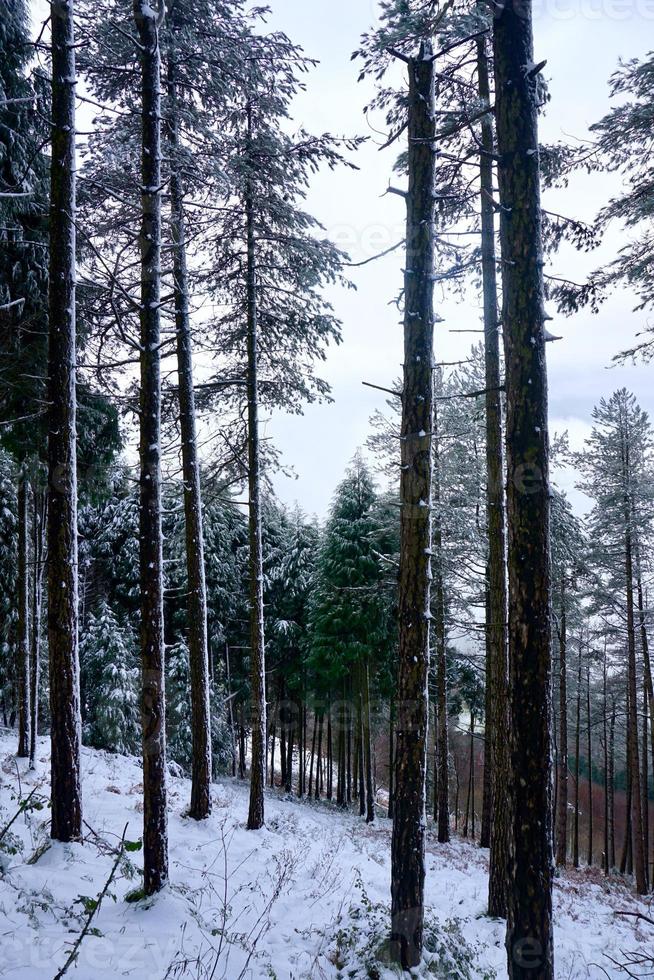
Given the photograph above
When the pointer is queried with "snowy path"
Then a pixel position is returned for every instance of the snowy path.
(299, 899)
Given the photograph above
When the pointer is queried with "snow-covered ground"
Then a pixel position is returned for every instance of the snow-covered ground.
(304, 898)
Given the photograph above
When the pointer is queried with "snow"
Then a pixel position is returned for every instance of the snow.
(275, 902)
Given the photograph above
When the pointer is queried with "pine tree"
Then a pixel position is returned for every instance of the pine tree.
(349, 621)
(8, 557)
(110, 683)
(616, 467)
(62, 473)
(529, 936)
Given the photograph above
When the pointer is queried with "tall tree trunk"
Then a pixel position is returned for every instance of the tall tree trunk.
(470, 799)
(38, 520)
(562, 792)
(611, 789)
(313, 754)
(319, 757)
(529, 936)
(607, 865)
(408, 840)
(155, 833)
(290, 740)
(391, 765)
(62, 441)
(649, 692)
(497, 664)
(257, 646)
(367, 747)
(590, 769)
(197, 593)
(626, 843)
(644, 790)
(348, 764)
(575, 835)
(23, 654)
(330, 754)
(442, 740)
(634, 753)
(230, 702)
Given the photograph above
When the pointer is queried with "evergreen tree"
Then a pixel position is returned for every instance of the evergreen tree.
(349, 621)
(617, 468)
(110, 683)
(8, 611)
(62, 437)
(517, 99)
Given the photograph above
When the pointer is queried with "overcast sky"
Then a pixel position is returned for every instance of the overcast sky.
(583, 42)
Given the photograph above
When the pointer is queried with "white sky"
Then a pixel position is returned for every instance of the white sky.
(582, 42)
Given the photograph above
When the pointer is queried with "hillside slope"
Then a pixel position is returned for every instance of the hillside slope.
(304, 898)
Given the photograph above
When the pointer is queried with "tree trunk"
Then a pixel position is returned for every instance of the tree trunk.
(443, 748)
(470, 799)
(611, 790)
(230, 702)
(607, 865)
(408, 840)
(38, 521)
(319, 757)
(644, 790)
(497, 664)
(575, 837)
(257, 647)
(367, 747)
(155, 833)
(330, 755)
(562, 791)
(348, 763)
(391, 766)
(198, 645)
(313, 754)
(290, 739)
(590, 770)
(529, 936)
(65, 717)
(23, 657)
(634, 753)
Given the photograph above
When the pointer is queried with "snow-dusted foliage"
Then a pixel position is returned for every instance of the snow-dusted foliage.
(110, 683)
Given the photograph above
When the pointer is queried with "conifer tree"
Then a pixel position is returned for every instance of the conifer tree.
(529, 936)
(110, 684)
(62, 445)
(616, 467)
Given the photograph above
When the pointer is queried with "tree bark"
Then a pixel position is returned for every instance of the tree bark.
(575, 835)
(153, 704)
(230, 702)
(529, 935)
(319, 757)
(611, 791)
(257, 643)
(562, 791)
(38, 520)
(367, 747)
(644, 790)
(391, 766)
(408, 839)
(198, 645)
(440, 631)
(23, 653)
(634, 753)
(65, 736)
(590, 769)
(497, 664)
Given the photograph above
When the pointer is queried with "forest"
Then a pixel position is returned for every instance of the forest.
(412, 734)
